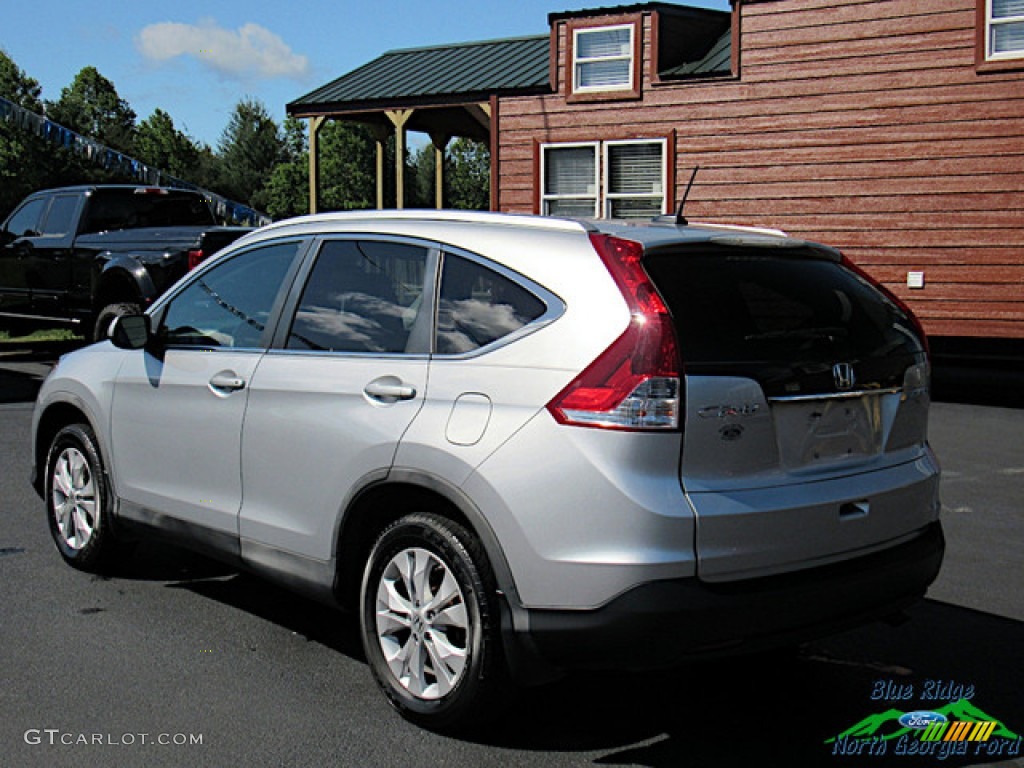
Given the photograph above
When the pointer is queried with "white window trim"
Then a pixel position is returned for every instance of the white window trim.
(601, 197)
(545, 197)
(606, 185)
(577, 60)
(991, 22)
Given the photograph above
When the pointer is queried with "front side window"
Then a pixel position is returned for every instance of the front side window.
(1005, 29)
(230, 304)
(612, 179)
(363, 296)
(25, 222)
(603, 59)
(478, 306)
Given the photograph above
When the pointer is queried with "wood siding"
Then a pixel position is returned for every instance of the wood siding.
(864, 124)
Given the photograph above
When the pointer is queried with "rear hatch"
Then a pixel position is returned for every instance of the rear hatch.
(806, 405)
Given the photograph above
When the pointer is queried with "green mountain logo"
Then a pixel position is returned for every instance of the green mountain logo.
(886, 725)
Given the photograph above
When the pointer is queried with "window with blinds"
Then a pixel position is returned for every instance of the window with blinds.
(570, 180)
(634, 179)
(630, 183)
(1005, 29)
(603, 59)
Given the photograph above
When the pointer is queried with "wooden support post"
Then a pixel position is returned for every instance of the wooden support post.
(380, 136)
(314, 162)
(440, 141)
(398, 118)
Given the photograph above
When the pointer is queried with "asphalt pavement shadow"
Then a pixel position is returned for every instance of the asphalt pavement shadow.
(780, 710)
(978, 386)
(24, 366)
(978, 371)
(772, 709)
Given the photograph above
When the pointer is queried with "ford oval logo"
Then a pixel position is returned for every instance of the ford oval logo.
(921, 719)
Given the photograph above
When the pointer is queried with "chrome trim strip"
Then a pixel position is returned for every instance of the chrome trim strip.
(835, 395)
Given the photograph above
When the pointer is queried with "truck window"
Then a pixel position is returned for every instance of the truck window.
(60, 219)
(113, 209)
(25, 221)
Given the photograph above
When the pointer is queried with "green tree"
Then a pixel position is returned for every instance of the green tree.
(468, 175)
(347, 167)
(286, 192)
(423, 170)
(249, 149)
(159, 144)
(24, 161)
(92, 106)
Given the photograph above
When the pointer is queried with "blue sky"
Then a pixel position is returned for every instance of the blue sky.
(195, 60)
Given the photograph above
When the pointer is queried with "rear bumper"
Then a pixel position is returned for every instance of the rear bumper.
(662, 624)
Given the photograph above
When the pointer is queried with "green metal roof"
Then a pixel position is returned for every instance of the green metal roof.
(466, 69)
(717, 61)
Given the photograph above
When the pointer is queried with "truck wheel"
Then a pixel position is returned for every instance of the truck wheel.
(429, 622)
(106, 317)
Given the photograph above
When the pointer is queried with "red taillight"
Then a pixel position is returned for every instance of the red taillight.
(195, 258)
(635, 383)
(915, 321)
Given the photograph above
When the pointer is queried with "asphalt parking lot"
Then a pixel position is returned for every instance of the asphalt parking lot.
(229, 670)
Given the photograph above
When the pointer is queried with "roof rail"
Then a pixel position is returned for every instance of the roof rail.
(430, 214)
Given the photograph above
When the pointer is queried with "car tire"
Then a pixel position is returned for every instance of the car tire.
(78, 502)
(429, 623)
(106, 316)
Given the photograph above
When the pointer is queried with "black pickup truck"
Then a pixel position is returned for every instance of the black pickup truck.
(79, 256)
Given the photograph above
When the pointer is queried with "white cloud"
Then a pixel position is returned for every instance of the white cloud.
(249, 51)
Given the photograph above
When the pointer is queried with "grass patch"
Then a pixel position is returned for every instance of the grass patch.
(45, 334)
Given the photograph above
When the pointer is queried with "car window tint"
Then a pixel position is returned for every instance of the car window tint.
(229, 305)
(478, 306)
(59, 218)
(781, 318)
(361, 296)
(25, 223)
(114, 209)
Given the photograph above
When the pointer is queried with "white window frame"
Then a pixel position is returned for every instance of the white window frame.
(545, 197)
(602, 196)
(990, 23)
(609, 196)
(629, 85)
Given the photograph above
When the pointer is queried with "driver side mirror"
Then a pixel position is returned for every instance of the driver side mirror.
(130, 331)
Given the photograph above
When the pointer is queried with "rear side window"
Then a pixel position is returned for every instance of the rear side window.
(477, 306)
(782, 319)
(60, 218)
(362, 296)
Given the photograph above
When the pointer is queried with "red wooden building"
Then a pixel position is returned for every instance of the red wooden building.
(892, 129)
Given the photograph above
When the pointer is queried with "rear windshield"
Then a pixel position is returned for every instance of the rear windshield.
(113, 209)
(783, 319)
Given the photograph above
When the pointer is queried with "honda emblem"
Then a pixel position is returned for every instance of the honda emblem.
(844, 376)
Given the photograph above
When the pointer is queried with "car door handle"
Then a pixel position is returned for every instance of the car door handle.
(227, 381)
(389, 389)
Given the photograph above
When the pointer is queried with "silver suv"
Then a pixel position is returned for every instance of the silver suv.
(515, 445)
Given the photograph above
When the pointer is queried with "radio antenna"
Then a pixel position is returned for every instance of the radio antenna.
(680, 219)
